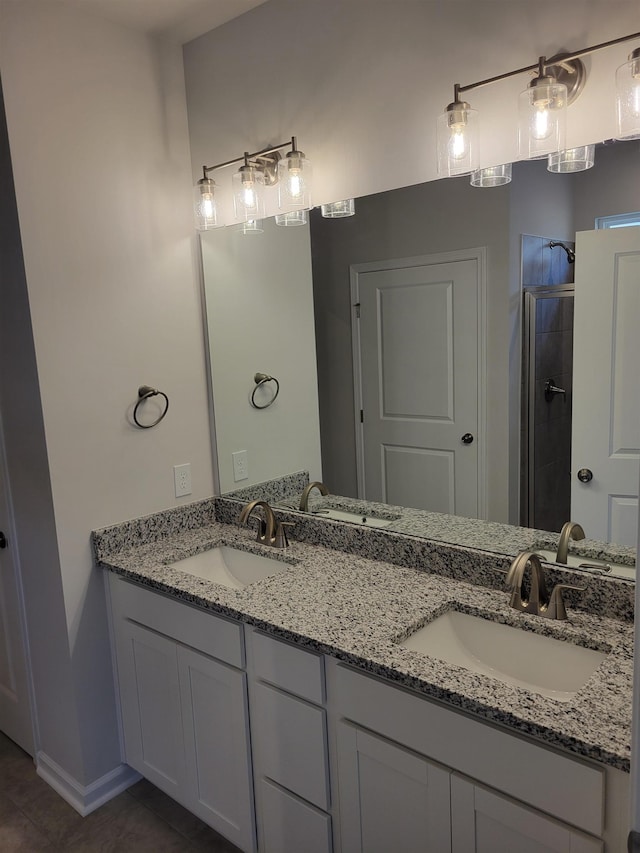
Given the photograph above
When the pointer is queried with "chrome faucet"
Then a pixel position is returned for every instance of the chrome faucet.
(570, 530)
(539, 602)
(304, 498)
(270, 530)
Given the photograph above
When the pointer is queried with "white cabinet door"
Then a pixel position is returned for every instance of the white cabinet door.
(151, 710)
(391, 799)
(216, 736)
(289, 824)
(485, 822)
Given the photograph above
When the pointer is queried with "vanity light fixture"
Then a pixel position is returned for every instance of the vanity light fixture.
(292, 218)
(295, 178)
(572, 159)
(259, 171)
(542, 109)
(252, 226)
(628, 97)
(339, 209)
(492, 176)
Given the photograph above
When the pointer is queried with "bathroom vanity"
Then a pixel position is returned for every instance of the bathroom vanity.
(289, 715)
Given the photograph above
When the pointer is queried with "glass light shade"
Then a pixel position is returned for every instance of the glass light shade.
(252, 226)
(542, 119)
(292, 218)
(338, 209)
(294, 181)
(457, 137)
(205, 207)
(572, 159)
(492, 176)
(248, 193)
(628, 97)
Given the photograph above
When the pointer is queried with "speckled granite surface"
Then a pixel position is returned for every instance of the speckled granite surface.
(355, 609)
(453, 529)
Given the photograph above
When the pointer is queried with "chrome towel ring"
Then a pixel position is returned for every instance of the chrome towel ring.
(261, 379)
(144, 392)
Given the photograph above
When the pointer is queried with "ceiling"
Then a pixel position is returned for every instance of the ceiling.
(178, 20)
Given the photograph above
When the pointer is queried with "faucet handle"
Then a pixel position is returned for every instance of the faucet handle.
(556, 608)
(280, 538)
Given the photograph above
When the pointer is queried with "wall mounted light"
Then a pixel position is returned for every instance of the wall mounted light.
(572, 159)
(252, 226)
(457, 135)
(542, 112)
(206, 209)
(492, 176)
(295, 177)
(292, 218)
(628, 97)
(258, 173)
(339, 209)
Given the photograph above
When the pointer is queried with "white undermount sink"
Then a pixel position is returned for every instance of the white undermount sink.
(353, 517)
(616, 570)
(544, 665)
(231, 567)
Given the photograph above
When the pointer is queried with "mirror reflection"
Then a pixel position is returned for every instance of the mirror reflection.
(408, 373)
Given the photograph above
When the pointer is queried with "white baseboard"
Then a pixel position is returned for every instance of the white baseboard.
(85, 798)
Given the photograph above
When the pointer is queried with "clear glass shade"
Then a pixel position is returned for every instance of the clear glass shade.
(294, 181)
(252, 226)
(339, 209)
(628, 98)
(457, 137)
(572, 159)
(492, 176)
(542, 119)
(205, 207)
(248, 193)
(292, 218)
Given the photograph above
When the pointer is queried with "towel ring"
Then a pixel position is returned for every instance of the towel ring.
(261, 379)
(144, 392)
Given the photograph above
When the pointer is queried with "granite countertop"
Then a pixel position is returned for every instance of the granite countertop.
(356, 609)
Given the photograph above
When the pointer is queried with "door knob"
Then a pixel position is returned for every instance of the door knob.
(3, 540)
(467, 438)
(585, 475)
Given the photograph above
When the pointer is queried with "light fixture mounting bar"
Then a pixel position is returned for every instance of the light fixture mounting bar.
(263, 153)
(544, 63)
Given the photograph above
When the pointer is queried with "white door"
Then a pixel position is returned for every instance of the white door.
(15, 704)
(606, 391)
(418, 356)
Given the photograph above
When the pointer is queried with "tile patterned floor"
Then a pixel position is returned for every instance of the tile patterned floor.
(34, 819)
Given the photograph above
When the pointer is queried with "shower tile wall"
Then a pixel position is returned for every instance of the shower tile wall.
(553, 353)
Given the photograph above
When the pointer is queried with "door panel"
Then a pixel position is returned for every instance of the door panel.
(606, 394)
(418, 369)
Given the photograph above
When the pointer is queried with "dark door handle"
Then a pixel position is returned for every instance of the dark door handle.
(467, 438)
(3, 540)
(585, 475)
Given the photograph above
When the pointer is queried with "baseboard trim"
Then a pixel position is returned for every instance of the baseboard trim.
(85, 798)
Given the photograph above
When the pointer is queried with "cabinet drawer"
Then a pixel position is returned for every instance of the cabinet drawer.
(563, 787)
(214, 635)
(290, 825)
(294, 670)
(291, 743)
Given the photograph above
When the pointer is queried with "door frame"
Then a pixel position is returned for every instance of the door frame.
(478, 254)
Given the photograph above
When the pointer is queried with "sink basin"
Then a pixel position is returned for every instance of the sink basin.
(353, 517)
(616, 570)
(230, 567)
(541, 664)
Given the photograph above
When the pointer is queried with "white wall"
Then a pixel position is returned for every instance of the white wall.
(361, 84)
(97, 129)
(259, 296)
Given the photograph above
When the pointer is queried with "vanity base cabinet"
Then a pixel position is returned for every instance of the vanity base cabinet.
(485, 822)
(390, 798)
(184, 715)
